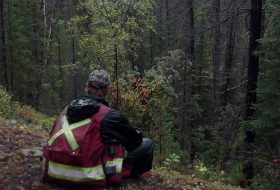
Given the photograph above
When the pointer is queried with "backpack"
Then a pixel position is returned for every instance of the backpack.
(75, 155)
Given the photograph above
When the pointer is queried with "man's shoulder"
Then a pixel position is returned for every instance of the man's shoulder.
(81, 108)
(115, 116)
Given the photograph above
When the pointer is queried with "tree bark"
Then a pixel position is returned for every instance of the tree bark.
(185, 130)
(231, 34)
(73, 62)
(216, 57)
(192, 30)
(60, 75)
(200, 62)
(59, 67)
(192, 84)
(252, 75)
(188, 90)
(37, 53)
(11, 49)
(151, 47)
(167, 13)
(116, 75)
(3, 42)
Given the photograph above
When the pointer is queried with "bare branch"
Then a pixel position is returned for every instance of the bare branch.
(223, 21)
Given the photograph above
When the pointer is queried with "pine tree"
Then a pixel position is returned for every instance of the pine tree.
(266, 119)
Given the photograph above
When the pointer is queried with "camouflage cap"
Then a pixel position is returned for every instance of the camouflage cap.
(100, 76)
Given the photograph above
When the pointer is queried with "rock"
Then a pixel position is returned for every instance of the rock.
(2, 158)
(11, 122)
(5, 157)
(3, 181)
(34, 152)
(18, 187)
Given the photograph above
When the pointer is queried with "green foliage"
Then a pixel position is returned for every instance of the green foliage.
(172, 161)
(161, 109)
(13, 110)
(234, 173)
(24, 39)
(134, 39)
(209, 173)
(111, 30)
(7, 109)
(267, 178)
(266, 120)
(148, 101)
(28, 115)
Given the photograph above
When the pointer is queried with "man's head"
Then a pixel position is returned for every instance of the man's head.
(97, 83)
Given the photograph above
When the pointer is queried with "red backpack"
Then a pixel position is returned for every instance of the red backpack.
(75, 154)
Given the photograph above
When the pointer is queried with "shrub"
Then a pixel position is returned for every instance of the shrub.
(10, 109)
(172, 162)
(209, 173)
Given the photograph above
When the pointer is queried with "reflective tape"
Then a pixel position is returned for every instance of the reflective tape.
(74, 173)
(68, 134)
(117, 162)
(67, 131)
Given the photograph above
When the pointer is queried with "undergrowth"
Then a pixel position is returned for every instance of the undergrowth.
(10, 109)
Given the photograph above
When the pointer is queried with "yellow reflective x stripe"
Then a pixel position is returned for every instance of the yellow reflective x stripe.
(68, 134)
(67, 130)
(53, 138)
(74, 173)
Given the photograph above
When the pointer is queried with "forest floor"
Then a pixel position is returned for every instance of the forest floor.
(21, 165)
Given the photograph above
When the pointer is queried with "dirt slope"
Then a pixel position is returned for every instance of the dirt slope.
(21, 165)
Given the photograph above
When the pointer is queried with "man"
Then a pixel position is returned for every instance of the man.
(86, 145)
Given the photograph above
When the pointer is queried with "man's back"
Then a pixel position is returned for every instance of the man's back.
(89, 140)
(75, 153)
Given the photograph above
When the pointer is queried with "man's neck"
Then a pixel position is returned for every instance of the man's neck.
(98, 99)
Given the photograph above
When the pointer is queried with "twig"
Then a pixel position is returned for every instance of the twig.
(223, 21)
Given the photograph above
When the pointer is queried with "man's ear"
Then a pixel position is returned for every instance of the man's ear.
(86, 88)
(106, 91)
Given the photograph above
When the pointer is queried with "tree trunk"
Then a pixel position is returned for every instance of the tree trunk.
(36, 53)
(200, 62)
(3, 42)
(73, 62)
(151, 47)
(59, 67)
(185, 143)
(192, 30)
(192, 84)
(228, 66)
(252, 75)
(226, 96)
(167, 14)
(216, 57)
(116, 76)
(187, 117)
(11, 49)
(161, 21)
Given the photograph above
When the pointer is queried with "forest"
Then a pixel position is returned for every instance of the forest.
(199, 77)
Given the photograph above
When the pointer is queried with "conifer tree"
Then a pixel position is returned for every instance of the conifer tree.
(266, 119)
